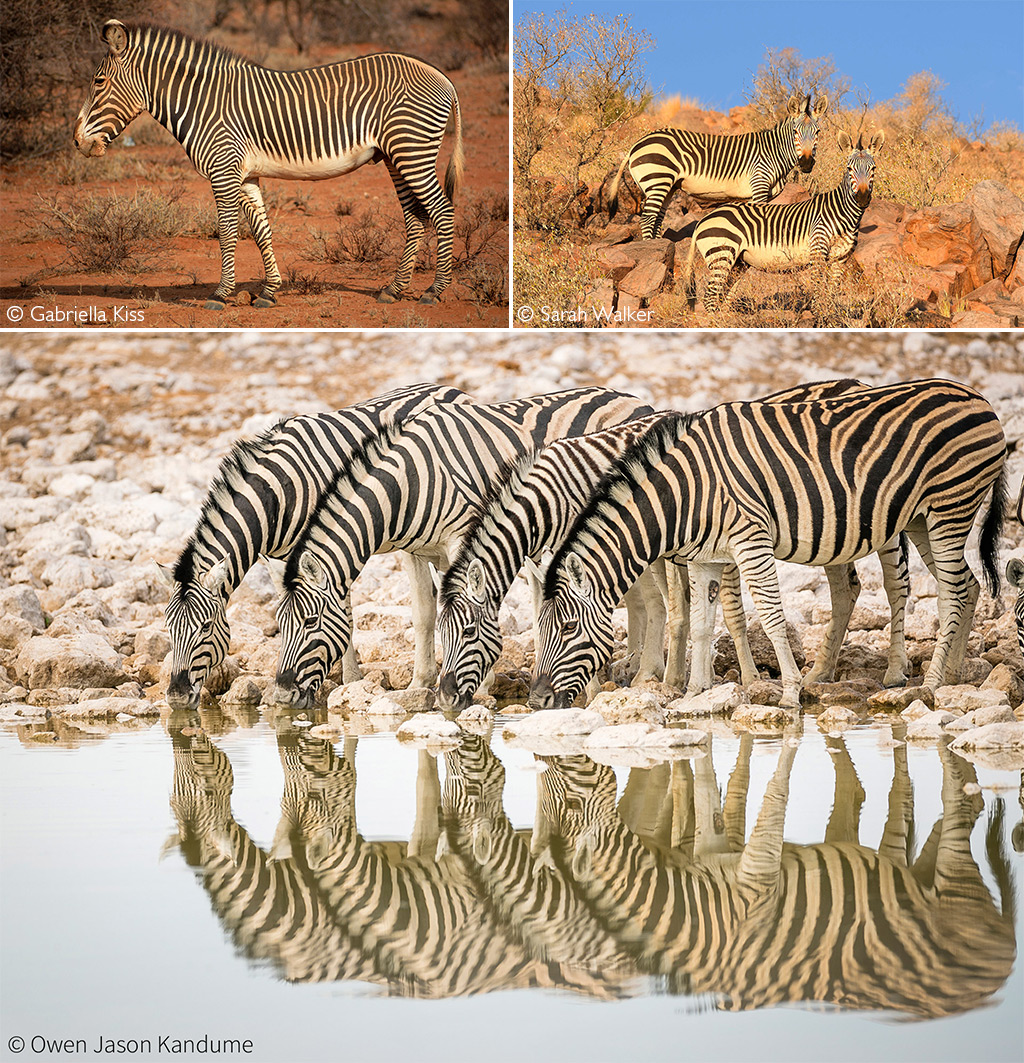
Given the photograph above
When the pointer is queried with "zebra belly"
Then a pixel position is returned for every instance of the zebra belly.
(793, 256)
(709, 190)
(313, 169)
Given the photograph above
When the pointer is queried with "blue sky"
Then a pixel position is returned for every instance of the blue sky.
(709, 51)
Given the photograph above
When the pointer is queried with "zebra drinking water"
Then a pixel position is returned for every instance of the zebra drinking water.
(239, 121)
(259, 502)
(416, 488)
(819, 483)
(717, 169)
(822, 231)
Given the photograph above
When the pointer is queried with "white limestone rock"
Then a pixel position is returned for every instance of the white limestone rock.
(718, 701)
(555, 722)
(1008, 736)
(628, 706)
(963, 698)
(929, 726)
(430, 727)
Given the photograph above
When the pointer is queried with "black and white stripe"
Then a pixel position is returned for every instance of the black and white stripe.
(258, 504)
(534, 506)
(820, 483)
(821, 231)
(414, 487)
(239, 121)
(717, 169)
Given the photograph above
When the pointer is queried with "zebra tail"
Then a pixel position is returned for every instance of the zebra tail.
(457, 163)
(990, 530)
(613, 188)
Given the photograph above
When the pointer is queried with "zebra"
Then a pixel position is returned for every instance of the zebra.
(767, 923)
(258, 504)
(820, 483)
(413, 487)
(532, 509)
(716, 169)
(821, 231)
(1015, 575)
(239, 122)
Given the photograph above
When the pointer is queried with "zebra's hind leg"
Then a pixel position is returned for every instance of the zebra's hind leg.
(844, 587)
(226, 194)
(256, 216)
(656, 195)
(442, 216)
(720, 262)
(415, 226)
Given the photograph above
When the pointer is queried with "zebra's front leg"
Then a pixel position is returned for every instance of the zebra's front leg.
(652, 652)
(705, 582)
(256, 216)
(350, 669)
(227, 195)
(424, 614)
(844, 588)
(678, 598)
(896, 581)
(736, 623)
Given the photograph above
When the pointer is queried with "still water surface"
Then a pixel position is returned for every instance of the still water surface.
(366, 900)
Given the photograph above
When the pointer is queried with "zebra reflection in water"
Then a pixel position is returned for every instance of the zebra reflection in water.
(662, 883)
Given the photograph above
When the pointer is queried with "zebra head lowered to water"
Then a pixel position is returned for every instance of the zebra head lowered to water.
(712, 168)
(815, 483)
(239, 121)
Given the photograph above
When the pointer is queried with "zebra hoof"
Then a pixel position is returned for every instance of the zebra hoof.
(429, 297)
(214, 304)
(386, 297)
(263, 300)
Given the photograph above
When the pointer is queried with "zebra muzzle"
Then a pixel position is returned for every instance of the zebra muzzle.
(181, 694)
(542, 693)
(448, 695)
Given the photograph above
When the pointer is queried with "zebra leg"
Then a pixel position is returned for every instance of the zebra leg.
(652, 655)
(710, 834)
(350, 670)
(227, 194)
(678, 596)
(735, 810)
(719, 263)
(256, 216)
(736, 623)
(636, 621)
(442, 216)
(756, 563)
(415, 226)
(844, 819)
(844, 587)
(424, 614)
(656, 194)
(896, 581)
(705, 581)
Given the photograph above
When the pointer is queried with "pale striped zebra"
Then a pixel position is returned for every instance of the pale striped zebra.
(258, 504)
(773, 923)
(269, 906)
(532, 509)
(819, 483)
(821, 231)
(414, 487)
(529, 896)
(717, 169)
(1015, 574)
(239, 121)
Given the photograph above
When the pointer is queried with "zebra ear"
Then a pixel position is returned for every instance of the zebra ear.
(534, 569)
(1015, 572)
(115, 35)
(435, 577)
(844, 140)
(166, 573)
(476, 581)
(820, 105)
(579, 581)
(876, 141)
(215, 579)
(796, 105)
(312, 570)
(276, 567)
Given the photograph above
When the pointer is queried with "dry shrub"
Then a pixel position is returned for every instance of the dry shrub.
(784, 73)
(553, 275)
(481, 222)
(103, 234)
(369, 238)
(488, 282)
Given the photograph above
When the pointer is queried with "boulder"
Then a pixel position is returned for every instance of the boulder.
(628, 706)
(433, 726)
(718, 701)
(999, 217)
(82, 660)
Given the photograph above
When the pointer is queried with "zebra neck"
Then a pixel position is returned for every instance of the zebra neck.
(841, 204)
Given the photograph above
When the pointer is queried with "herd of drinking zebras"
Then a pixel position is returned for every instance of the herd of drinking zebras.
(821, 474)
(745, 171)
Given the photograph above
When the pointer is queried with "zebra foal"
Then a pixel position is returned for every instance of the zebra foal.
(716, 169)
(239, 121)
(818, 483)
(822, 231)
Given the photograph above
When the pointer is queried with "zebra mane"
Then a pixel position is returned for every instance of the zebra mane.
(244, 456)
(365, 458)
(625, 472)
(506, 484)
(138, 31)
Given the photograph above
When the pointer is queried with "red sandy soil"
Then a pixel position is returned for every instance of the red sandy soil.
(34, 274)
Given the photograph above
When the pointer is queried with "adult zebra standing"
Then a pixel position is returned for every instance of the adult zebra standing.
(239, 121)
(820, 483)
(821, 231)
(533, 508)
(414, 487)
(258, 504)
(716, 169)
